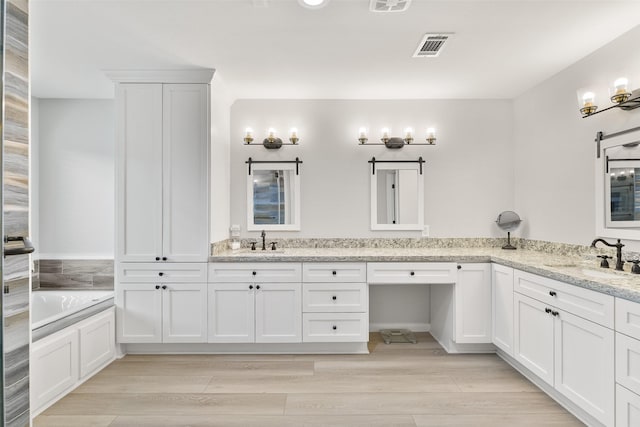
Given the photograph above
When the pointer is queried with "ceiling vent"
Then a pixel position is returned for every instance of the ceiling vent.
(389, 5)
(431, 45)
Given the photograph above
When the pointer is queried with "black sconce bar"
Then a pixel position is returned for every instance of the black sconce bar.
(297, 161)
(373, 162)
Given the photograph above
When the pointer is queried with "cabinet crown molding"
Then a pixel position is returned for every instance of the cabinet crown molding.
(200, 75)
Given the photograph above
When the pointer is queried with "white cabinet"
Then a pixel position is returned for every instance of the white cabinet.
(97, 342)
(473, 304)
(335, 302)
(259, 302)
(162, 172)
(406, 273)
(167, 312)
(627, 408)
(570, 353)
(502, 307)
(627, 363)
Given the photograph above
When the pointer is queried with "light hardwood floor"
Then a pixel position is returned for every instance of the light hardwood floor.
(416, 385)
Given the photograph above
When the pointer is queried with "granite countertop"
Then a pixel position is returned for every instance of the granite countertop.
(575, 270)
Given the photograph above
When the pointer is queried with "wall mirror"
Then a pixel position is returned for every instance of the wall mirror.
(273, 196)
(397, 196)
(618, 185)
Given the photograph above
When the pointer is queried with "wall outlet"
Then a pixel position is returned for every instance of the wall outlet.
(425, 231)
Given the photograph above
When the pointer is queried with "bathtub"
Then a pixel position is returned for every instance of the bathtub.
(73, 338)
(52, 311)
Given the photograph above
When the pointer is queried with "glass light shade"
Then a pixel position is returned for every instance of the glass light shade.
(385, 132)
(293, 132)
(271, 133)
(619, 91)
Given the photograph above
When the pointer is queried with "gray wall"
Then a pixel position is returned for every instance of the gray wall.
(555, 148)
(468, 174)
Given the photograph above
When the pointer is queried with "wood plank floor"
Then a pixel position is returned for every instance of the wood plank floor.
(415, 385)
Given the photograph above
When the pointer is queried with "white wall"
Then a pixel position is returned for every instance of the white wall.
(468, 174)
(76, 178)
(34, 175)
(220, 118)
(555, 148)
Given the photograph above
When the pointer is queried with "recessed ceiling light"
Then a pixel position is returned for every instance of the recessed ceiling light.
(313, 4)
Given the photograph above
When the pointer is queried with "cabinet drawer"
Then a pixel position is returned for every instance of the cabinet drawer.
(334, 272)
(335, 327)
(628, 362)
(255, 272)
(335, 297)
(193, 272)
(408, 273)
(588, 304)
(628, 318)
(627, 408)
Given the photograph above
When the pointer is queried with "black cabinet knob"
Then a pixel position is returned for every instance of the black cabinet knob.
(250, 286)
(164, 286)
(164, 258)
(334, 272)
(161, 274)
(257, 286)
(334, 327)
(553, 293)
(547, 310)
(554, 313)
(157, 286)
(157, 258)
(254, 272)
(459, 267)
(334, 297)
(413, 273)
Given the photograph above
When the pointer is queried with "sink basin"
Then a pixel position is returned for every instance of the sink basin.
(260, 252)
(599, 274)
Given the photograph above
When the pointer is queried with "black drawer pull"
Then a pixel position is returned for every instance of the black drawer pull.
(164, 258)
(334, 272)
(257, 286)
(413, 273)
(554, 313)
(250, 286)
(157, 258)
(157, 286)
(553, 293)
(334, 327)
(334, 297)
(547, 310)
(164, 286)
(161, 274)
(459, 267)
(254, 273)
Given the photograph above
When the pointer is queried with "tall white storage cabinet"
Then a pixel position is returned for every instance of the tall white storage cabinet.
(162, 203)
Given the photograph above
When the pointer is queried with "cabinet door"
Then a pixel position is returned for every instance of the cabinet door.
(231, 312)
(184, 312)
(473, 304)
(139, 172)
(139, 313)
(279, 312)
(502, 308)
(627, 408)
(97, 342)
(185, 172)
(533, 336)
(584, 365)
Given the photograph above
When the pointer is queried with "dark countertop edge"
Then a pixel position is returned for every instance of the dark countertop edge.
(592, 285)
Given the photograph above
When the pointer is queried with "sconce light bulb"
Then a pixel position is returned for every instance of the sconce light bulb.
(271, 133)
(588, 99)
(362, 132)
(293, 135)
(294, 132)
(408, 132)
(621, 84)
(248, 137)
(249, 131)
(385, 132)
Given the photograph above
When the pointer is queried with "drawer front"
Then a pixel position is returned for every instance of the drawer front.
(335, 327)
(335, 297)
(588, 304)
(628, 362)
(168, 272)
(410, 273)
(627, 408)
(334, 272)
(255, 272)
(628, 317)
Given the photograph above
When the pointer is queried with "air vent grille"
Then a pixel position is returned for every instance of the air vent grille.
(431, 45)
(389, 5)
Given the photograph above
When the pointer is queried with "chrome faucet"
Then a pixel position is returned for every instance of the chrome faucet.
(618, 246)
(264, 244)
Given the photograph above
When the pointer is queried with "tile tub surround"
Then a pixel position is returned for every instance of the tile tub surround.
(75, 274)
(565, 268)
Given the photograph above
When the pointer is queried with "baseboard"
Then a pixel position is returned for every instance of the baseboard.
(248, 348)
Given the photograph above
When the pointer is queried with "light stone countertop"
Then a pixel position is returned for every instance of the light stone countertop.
(570, 269)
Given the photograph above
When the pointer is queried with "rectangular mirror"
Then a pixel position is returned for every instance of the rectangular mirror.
(273, 197)
(618, 185)
(397, 197)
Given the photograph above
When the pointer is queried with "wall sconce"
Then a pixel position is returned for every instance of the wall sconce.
(272, 141)
(396, 142)
(619, 94)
